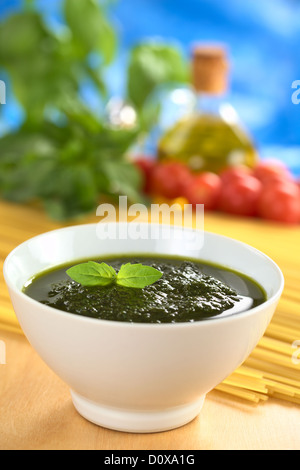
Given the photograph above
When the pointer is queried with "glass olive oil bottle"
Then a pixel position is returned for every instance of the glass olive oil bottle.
(211, 137)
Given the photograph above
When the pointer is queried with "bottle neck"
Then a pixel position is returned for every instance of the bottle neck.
(208, 103)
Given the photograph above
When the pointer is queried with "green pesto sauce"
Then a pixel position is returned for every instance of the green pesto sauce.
(188, 291)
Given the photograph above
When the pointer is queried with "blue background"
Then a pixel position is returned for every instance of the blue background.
(263, 38)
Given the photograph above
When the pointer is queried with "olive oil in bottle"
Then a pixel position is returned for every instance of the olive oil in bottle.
(211, 137)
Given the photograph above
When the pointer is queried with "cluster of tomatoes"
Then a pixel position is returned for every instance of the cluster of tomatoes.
(268, 191)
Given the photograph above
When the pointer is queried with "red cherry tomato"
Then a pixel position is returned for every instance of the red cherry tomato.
(280, 202)
(240, 196)
(204, 189)
(235, 172)
(272, 170)
(170, 180)
(146, 166)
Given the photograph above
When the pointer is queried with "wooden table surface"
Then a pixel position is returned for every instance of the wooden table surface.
(36, 412)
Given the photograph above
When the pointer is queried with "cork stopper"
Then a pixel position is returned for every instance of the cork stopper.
(210, 69)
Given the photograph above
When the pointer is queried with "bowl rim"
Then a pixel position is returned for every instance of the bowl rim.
(96, 321)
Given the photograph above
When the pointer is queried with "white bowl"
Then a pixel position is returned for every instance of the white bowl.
(139, 377)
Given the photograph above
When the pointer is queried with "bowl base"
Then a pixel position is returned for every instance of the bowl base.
(134, 421)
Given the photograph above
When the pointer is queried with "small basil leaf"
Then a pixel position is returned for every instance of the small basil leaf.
(137, 275)
(92, 274)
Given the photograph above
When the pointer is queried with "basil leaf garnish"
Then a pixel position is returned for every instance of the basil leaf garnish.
(92, 274)
(137, 275)
(101, 274)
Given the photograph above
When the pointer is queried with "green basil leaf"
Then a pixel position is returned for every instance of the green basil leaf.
(19, 36)
(124, 178)
(137, 275)
(98, 36)
(150, 65)
(92, 274)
